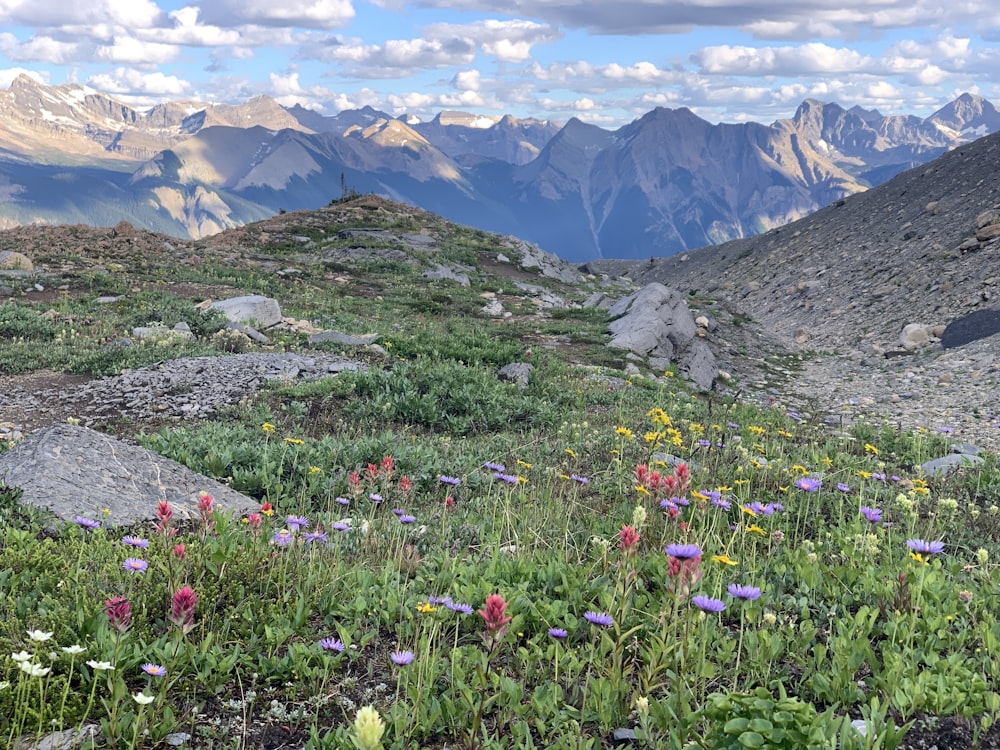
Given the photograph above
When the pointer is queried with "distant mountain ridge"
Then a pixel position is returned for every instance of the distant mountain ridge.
(667, 182)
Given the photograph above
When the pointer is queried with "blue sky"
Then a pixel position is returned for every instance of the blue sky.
(604, 61)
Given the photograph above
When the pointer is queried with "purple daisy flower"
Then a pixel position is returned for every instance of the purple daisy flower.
(740, 591)
(683, 551)
(135, 565)
(558, 633)
(407, 519)
(708, 604)
(314, 536)
(154, 670)
(843, 487)
(925, 548)
(495, 467)
(438, 599)
(808, 484)
(341, 501)
(135, 541)
(340, 526)
(508, 478)
(872, 515)
(454, 481)
(87, 523)
(297, 522)
(282, 537)
(401, 658)
(375, 497)
(398, 511)
(578, 478)
(464, 609)
(331, 644)
(598, 618)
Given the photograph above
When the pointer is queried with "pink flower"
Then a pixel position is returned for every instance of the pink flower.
(255, 521)
(164, 514)
(119, 612)
(494, 615)
(628, 539)
(182, 609)
(180, 551)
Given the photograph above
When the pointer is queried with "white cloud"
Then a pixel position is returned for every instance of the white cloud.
(467, 80)
(309, 14)
(52, 14)
(138, 84)
(42, 49)
(814, 57)
(402, 103)
(126, 49)
(187, 30)
(396, 57)
(508, 41)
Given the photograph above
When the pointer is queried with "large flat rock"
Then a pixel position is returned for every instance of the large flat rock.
(72, 470)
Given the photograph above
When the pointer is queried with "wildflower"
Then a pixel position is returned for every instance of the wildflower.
(808, 484)
(341, 501)
(375, 497)
(982, 555)
(464, 609)
(332, 644)
(401, 658)
(449, 502)
(425, 608)
(388, 465)
(872, 515)
(869, 448)
(683, 551)
(579, 479)
(719, 502)
(558, 633)
(880, 476)
(368, 729)
(945, 430)
(135, 565)
(154, 670)
(755, 529)
(494, 466)
(625, 432)
(570, 452)
(142, 699)
(508, 478)
(843, 487)
(340, 526)
(268, 427)
(100, 666)
(314, 470)
(642, 706)
(708, 604)
(34, 670)
(628, 539)
(405, 518)
(453, 481)
(39, 636)
(135, 541)
(965, 597)
(282, 537)
(206, 505)
(724, 559)
(21, 657)
(87, 523)
(747, 593)
(266, 509)
(639, 516)
(73, 650)
(297, 522)
(598, 618)
(314, 536)
(494, 614)
(922, 547)
(182, 607)
(180, 551)
(294, 441)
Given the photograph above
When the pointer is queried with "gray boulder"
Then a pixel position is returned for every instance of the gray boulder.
(518, 373)
(940, 467)
(971, 327)
(440, 272)
(656, 322)
(72, 470)
(345, 339)
(263, 311)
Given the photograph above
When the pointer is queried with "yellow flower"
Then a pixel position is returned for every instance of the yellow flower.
(826, 461)
(268, 427)
(869, 448)
(755, 529)
(864, 474)
(724, 488)
(660, 417)
(564, 476)
(525, 464)
(724, 559)
(918, 558)
(698, 496)
(652, 437)
(522, 480)
(294, 441)
(756, 430)
(696, 428)
(785, 433)
(749, 511)
(921, 491)
(368, 729)
(677, 440)
(624, 432)
(570, 452)
(641, 490)
(800, 468)
(739, 482)
(668, 373)
(313, 470)
(426, 608)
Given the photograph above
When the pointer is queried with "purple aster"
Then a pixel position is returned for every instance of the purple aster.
(407, 519)
(297, 522)
(732, 425)
(135, 541)
(154, 670)
(708, 604)
(879, 476)
(683, 501)
(508, 478)
(720, 503)
(808, 484)
(401, 658)
(712, 495)
(282, 537)
(375, 497)
(454, 481)
(843, 487)
(87, 523)
(776, 506)
(314, 536)
(704, 443)
(331, 644)
(894, 478)
(667, 504)
(873, 515)
(945, 430)
(495, 467)
(341, 501)
(598, 618)
(438, 599)
(578, 478)
(683, 551)
(558, 633)
(747, 593)
(398, 511)
(925, 548)
(464, 609)
(135, 565)
(340, 526)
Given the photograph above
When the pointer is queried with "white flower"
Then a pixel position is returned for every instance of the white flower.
(74, 650)
(35, 670)
(142, 699)
(4, 685)
(38, 635)
(21, 657)
(99, 665)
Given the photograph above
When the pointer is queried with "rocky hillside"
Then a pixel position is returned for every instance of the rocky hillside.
(924, 248)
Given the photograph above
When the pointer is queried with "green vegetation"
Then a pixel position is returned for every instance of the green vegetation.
(440, 559)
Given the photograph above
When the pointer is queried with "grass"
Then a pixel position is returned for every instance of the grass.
(440, 560)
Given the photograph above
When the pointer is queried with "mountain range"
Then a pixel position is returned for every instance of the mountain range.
(665, 183)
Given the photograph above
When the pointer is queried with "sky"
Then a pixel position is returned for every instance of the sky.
(606, 62)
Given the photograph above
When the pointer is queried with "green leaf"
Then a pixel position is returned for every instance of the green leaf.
(751, 740)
